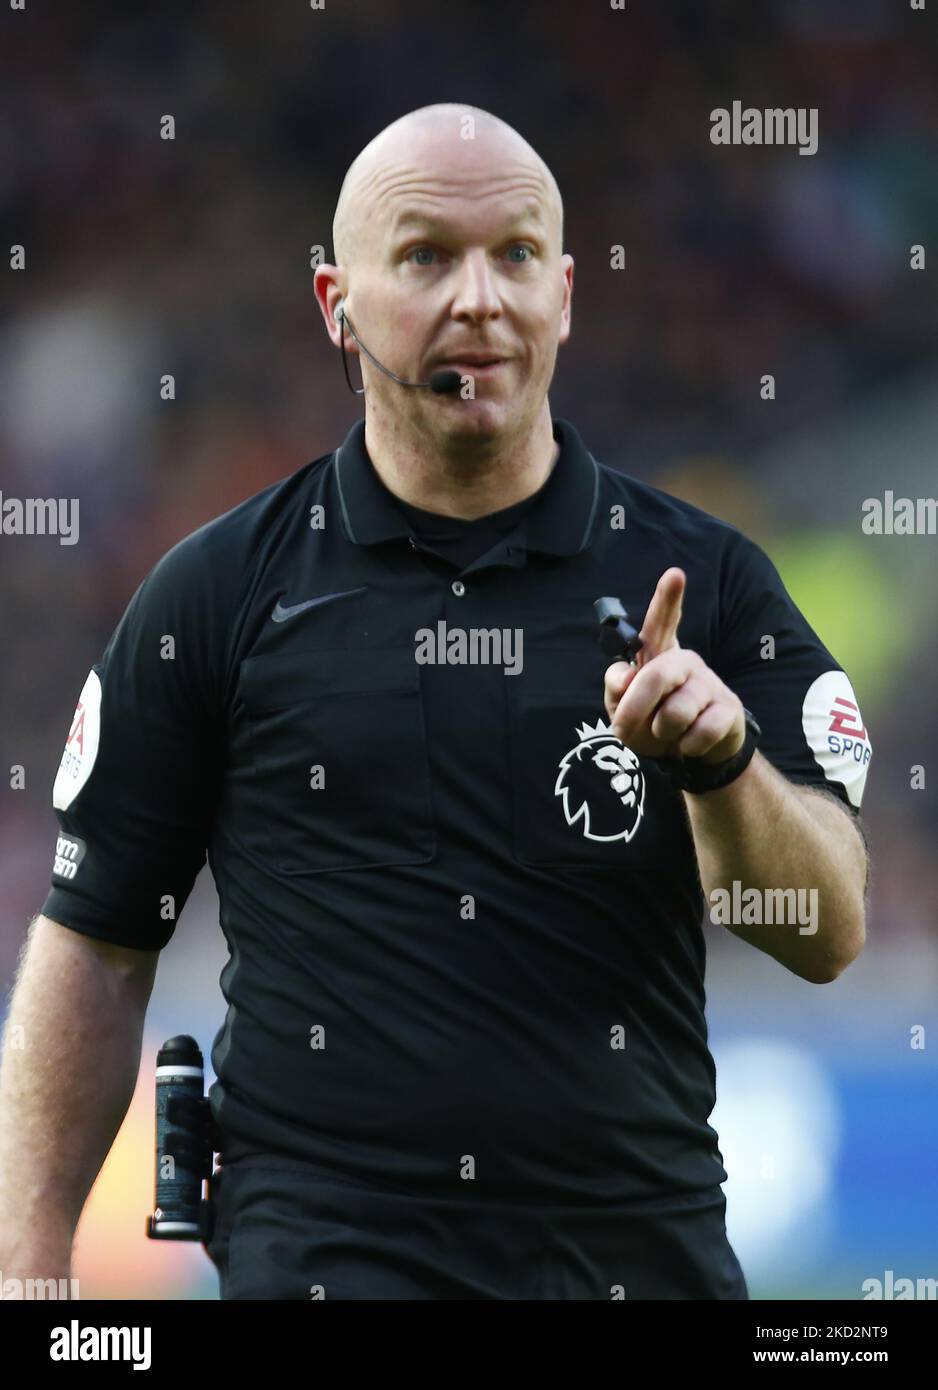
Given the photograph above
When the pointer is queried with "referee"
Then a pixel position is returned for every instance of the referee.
(464, 863)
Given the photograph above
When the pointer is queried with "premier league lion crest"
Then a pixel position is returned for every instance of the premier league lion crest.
(602, 785)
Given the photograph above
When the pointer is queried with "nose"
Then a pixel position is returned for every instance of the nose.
(476, 295)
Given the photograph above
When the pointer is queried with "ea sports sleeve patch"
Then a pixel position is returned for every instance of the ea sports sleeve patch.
(835, 733)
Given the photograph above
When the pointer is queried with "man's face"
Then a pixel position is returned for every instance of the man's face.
(460, 253)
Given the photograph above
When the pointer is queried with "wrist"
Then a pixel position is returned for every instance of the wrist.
(706, 774)
(727, 748)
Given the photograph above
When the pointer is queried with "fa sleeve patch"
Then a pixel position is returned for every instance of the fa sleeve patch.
(81, 746)
(834, 730)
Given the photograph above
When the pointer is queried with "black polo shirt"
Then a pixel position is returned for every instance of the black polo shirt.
(465, 924)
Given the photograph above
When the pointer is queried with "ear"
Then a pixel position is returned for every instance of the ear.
(566, 306)
(327, 285)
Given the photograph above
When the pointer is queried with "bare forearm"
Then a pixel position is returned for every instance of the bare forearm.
(763, 833)
(70, 1059)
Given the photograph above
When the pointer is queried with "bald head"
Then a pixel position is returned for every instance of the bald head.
(437, 149)
(448, 240)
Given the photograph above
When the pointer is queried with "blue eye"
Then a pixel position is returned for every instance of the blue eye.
(516, 246)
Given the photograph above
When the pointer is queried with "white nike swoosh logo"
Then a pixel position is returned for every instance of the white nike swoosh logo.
(280, 614)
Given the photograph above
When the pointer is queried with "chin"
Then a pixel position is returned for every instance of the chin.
(476, 419)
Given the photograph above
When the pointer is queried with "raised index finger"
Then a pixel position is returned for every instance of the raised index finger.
(659, 630)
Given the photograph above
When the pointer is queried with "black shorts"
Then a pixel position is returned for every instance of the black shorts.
(283, 1231)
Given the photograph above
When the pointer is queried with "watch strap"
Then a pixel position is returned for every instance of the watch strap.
(696, 776)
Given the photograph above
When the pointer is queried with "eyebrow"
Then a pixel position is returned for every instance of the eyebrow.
(412, 217)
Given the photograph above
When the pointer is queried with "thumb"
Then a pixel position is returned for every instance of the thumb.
(618, 678)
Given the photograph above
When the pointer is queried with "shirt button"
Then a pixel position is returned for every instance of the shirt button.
(458, 588)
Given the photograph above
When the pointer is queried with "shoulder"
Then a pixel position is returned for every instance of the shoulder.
(222, 552)
(193, 602)
(656, 514)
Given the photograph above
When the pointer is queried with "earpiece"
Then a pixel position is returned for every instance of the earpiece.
(440, 382)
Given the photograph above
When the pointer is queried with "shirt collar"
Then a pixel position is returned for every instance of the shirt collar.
(562, 523)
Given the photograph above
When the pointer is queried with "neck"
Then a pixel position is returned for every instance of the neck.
(460, 478)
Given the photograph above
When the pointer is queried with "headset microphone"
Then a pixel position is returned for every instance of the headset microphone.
(440, 383)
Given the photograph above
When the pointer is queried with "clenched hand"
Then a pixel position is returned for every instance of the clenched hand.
(670, 704)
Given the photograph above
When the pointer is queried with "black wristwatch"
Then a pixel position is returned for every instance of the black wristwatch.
(694, 775)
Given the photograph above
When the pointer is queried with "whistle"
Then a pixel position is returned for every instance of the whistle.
(617, 637)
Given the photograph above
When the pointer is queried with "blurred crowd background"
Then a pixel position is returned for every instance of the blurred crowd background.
(191, 257)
